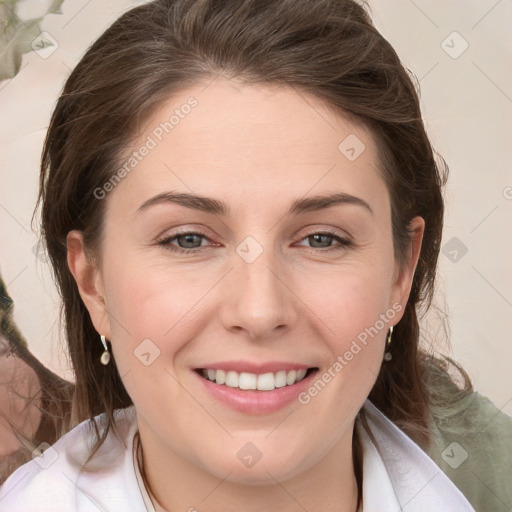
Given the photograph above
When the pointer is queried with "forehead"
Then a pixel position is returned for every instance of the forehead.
(227, 139)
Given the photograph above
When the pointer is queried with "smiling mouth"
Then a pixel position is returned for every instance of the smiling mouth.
(256, 382)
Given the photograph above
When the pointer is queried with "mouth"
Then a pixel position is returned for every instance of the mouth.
(246, 381)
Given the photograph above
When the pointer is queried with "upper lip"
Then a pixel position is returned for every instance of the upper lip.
(253, 367)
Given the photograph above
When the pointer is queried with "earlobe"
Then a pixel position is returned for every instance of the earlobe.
(89, 282)
(403, 283)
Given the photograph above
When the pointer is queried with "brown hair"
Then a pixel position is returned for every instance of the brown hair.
(328, 48)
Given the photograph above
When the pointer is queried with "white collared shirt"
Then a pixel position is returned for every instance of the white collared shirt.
(400, 479)
(404, 478)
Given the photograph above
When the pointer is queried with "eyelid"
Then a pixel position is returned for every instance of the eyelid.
(329, 231)
(189, 230)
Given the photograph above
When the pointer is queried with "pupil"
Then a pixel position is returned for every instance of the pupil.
(317, 237)
(187, 240)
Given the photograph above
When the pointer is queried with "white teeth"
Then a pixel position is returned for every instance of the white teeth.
(232, 379)
(220, 377)
(301, 374)
(280, 379)
(262, 382)
(291, 377)
(247, 381)
(266, 382)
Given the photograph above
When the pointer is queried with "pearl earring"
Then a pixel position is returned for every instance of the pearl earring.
(387, 354)
(105, 357)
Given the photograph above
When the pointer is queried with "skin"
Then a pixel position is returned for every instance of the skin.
(257, 148)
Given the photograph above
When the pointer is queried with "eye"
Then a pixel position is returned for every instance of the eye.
(321, 241)
(189, 242)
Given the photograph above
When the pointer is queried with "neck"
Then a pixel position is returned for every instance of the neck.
(173, 483)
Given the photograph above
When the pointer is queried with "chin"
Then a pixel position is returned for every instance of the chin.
(250, 465)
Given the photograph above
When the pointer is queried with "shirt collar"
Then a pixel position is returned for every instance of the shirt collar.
(398, 475)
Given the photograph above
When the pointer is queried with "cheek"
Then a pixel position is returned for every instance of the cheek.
(352, 318)
(148, 299)
(348, 301)
(153, 310)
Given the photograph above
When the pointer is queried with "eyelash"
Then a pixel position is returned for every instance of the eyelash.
(165, 242)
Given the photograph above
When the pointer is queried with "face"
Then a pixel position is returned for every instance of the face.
(274, 283)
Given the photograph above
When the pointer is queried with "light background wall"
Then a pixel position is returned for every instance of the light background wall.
(467, 108)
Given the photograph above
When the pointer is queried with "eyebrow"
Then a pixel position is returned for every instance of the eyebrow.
(215, 206)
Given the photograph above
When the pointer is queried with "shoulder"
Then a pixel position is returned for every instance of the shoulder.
(472, 443)
(396, 467)
(57, 480)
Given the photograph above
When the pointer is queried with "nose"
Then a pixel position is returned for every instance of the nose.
(258, 299)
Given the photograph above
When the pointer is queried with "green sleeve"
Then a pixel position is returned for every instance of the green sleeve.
(472, 444)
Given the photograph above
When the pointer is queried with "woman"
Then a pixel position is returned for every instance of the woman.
(243, 213)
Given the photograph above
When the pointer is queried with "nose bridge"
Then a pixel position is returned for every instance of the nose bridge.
(260, 300)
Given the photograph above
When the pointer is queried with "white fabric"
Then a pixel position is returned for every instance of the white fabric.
(402, 479)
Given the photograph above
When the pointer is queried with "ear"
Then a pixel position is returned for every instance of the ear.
(89, 281)
(403, 276)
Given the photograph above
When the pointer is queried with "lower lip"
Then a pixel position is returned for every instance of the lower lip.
(253, 401)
